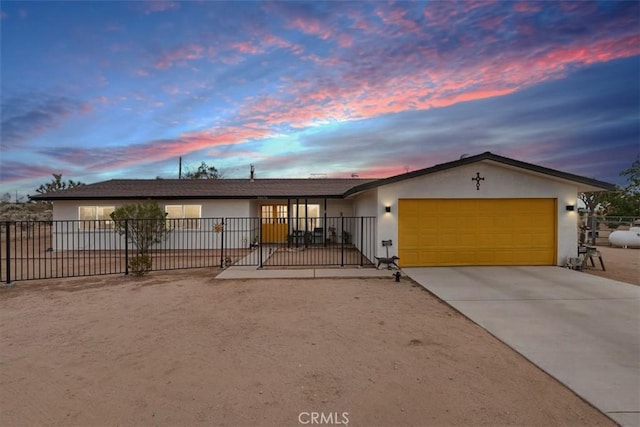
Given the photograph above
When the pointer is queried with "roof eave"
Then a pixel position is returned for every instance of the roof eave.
(583, 182)
(188, 197)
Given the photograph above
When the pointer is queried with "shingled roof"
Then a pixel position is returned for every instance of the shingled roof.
(206, 189)
(286, 188)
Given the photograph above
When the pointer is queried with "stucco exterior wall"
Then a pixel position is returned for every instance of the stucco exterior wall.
(239, 229)
(67, 236)
(366, 205)
(499, 182)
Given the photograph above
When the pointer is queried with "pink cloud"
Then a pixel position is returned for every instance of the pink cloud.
(397, 17)
(188, 52)
(272, 40)
(327, 62)
(154, 6)
(358, 95)
(261, 43)
(312, 27)
(246, 47)
(491, 23)
(345, 40)
(448, 14)
(359, 23)
(379, 171)
(170, 89)
(117, 157)
(3, 15)
(18, 171)
(527, 6)
(223, 154)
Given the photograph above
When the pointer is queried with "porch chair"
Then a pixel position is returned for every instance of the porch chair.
(317, 238)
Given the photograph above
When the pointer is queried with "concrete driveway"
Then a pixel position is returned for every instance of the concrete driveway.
(581, 329)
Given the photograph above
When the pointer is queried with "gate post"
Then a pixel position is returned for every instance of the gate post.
(361, 241)
(126, 247)
(222, 244)
(8, 247)
(260, 242)
(341, 241)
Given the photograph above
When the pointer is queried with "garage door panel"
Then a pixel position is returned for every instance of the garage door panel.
(467, 239)
(501, 240)
(413, 257)
(428, 257)
(477, 232)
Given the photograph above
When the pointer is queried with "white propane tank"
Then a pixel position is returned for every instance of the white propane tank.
(626, 238)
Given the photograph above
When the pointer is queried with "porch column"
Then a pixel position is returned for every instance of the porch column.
(306, 215)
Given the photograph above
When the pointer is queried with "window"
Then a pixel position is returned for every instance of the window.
(184, 216)
(274, 214)
(312, 217)
(95, 217)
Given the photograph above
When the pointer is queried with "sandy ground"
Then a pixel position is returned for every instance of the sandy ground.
(621, 264)
(180, 348)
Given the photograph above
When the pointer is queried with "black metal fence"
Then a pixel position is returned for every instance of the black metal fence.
(57, 249)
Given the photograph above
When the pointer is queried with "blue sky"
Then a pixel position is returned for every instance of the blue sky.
(101, 90)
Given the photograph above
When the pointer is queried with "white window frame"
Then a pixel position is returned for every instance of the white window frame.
(184, 222)
(100, 221)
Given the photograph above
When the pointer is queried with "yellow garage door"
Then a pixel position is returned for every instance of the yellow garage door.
(476, 232)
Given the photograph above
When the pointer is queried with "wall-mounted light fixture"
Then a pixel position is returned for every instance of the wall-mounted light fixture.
(387, 208)
(570, 208)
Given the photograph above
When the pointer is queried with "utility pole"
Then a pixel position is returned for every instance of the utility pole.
(180, 168)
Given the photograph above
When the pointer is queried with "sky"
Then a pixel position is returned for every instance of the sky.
(99, 90)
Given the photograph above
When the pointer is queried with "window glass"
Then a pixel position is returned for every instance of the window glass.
(184, 216)
(173, 211)
(87, 213)
(104, 212)
(192, 211)
(312, 216)
(95, 217)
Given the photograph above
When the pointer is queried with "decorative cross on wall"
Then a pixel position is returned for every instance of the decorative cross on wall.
(477, 179)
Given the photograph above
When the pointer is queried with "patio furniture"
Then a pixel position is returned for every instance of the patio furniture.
(296, 238)
(317, 238)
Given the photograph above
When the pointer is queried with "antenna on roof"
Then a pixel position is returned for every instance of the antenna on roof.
(354, 175)
(252, 173)
(180, 168)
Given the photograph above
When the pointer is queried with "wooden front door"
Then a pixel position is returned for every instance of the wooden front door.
(275, 223)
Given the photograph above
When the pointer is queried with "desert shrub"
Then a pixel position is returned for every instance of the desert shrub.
(144, 224)
(140, 265)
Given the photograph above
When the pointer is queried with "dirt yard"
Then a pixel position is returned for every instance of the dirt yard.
(181, 348)
(621, 264)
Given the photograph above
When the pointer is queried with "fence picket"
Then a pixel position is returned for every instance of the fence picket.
(72, 248)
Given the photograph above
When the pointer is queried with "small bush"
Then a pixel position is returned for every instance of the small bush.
(140, 265)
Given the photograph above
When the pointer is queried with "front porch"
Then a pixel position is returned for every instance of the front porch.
(271, 255)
